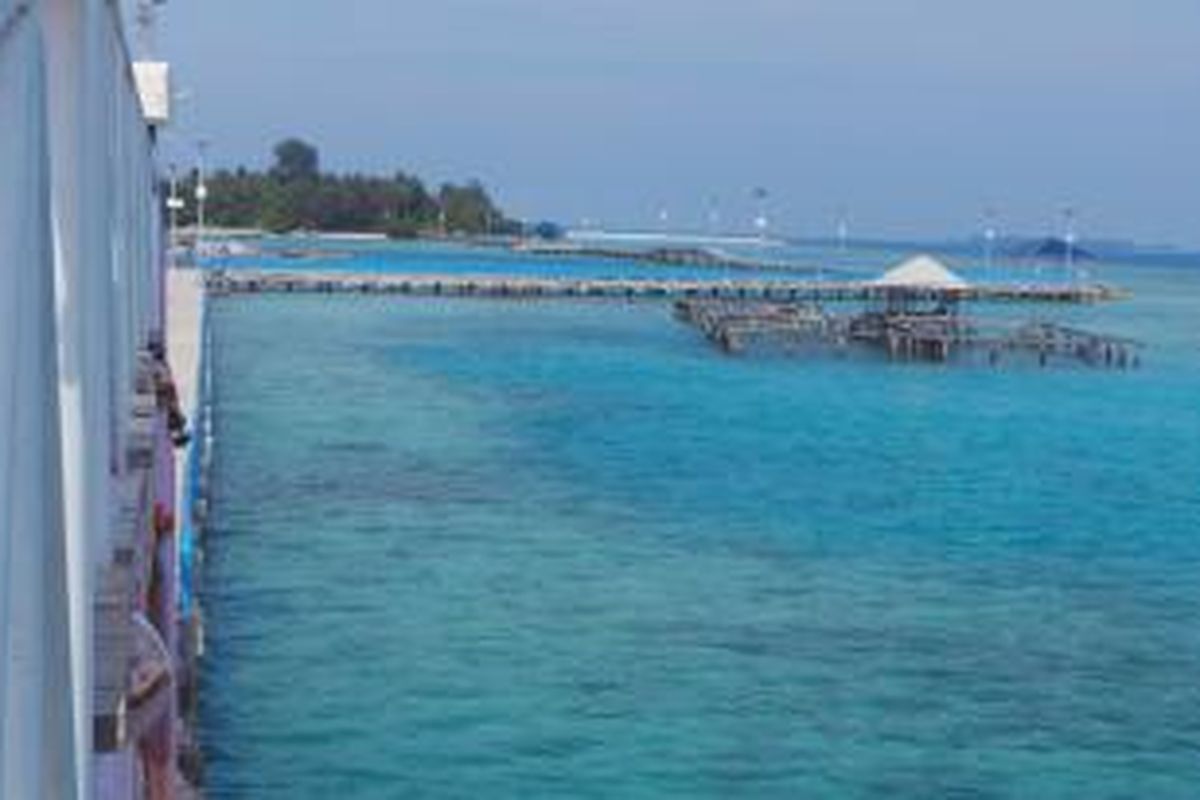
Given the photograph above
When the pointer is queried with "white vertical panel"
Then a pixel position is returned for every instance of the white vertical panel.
(151, 227)
(85, 184)
(119, 243)
(37, 745)
(158, 256)
(81, 87)
(12, 152)
(143, 204)
(21, 95)
(142, 198)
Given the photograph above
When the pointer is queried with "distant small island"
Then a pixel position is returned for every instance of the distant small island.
(295, 195)
(1049, 248)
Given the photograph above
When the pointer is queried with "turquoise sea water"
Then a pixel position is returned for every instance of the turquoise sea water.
(481, 549)
(787, 261)
(448, 259)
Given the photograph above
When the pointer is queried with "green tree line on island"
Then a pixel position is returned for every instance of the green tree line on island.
(294, 194)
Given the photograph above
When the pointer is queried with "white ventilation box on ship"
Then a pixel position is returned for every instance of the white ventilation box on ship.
(154, 88)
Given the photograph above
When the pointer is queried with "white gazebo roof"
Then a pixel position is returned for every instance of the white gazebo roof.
(921, 271)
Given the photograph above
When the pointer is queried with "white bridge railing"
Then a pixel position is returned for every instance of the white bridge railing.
(80, 296)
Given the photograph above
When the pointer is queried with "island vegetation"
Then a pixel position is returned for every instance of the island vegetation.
(295, 195)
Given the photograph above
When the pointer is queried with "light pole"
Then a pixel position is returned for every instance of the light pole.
(1069, 242)
(761, 221)
(761, 224)
(201, 196)
(989, 242)
(842, 234)
(174, 206)
(714, 216)
(843, 231)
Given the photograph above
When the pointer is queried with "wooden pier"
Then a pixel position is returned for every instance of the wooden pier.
(905, 322)
(936, 334)
(225, 282)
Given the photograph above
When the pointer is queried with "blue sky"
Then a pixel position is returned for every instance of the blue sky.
(914, 115)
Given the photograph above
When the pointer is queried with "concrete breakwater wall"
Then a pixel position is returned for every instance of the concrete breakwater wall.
(259, 281)
(190, 348)
(667, 256)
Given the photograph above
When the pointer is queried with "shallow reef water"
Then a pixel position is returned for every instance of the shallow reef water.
(489, 549)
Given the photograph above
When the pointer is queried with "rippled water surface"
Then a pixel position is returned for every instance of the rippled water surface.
(479, 549)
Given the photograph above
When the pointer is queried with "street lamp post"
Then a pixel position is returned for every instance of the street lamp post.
(761, 220)
(989, 243)
(1069, 242)
(201, 197)
(174, 206)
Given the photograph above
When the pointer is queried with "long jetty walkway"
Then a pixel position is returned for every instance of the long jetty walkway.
(710, 257)
(226, 282)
